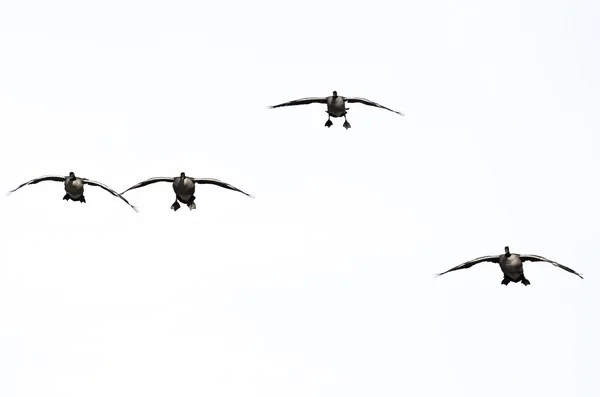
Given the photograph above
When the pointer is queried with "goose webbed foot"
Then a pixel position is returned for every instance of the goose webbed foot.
(67, 197)
(328, 123)
(524, 281)
(505, 281)
(346, 123)
(175, 206)
(82, 199)
(192, 202)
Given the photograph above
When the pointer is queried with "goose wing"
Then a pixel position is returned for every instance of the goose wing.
(466, 265)
(149, 181)
(302, 101)
(209, 181)
(55, 178)
(370, 103)
(103, 186)
(537, 258)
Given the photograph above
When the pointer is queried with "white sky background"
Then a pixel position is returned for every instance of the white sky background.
(322, 285)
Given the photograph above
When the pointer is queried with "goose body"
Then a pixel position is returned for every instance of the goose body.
(185, 187)
(74, 187)
(336, 106)
(511, 265)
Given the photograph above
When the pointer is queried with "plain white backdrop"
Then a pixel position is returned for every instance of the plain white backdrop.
(323, 284)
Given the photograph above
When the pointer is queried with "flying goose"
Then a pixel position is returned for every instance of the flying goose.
(184, 188)
(74, 187)
(336, 106)
(511, 265)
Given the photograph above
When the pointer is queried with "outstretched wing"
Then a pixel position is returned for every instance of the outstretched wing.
(148, 182)
(40, 179)
(103, 186)
(209, 181)
(537, 258)
(303, 101)
(370, 103)
(466, 265)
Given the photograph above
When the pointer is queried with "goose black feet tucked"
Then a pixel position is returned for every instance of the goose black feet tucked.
(81, 199)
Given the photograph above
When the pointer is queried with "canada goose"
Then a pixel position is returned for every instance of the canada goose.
(184, 188)
(511, 265)
(74, 187)
(336, 106)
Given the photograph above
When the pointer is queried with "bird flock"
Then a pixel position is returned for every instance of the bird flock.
(184, 187)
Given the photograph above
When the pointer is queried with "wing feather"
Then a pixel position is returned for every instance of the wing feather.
(148, 182)
(466, 265)
(537, 258)
(210, 181)
(302, 101)
(103, 186)
(368, 102)
(55, 178)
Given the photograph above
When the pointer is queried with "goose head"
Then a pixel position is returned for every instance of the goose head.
(334, 94)
(182, 175)
(72, 176)
(507, 251)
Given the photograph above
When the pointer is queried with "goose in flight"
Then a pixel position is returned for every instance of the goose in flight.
(74, 187)
(336, 106)
(184, 188)
(511, 265)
